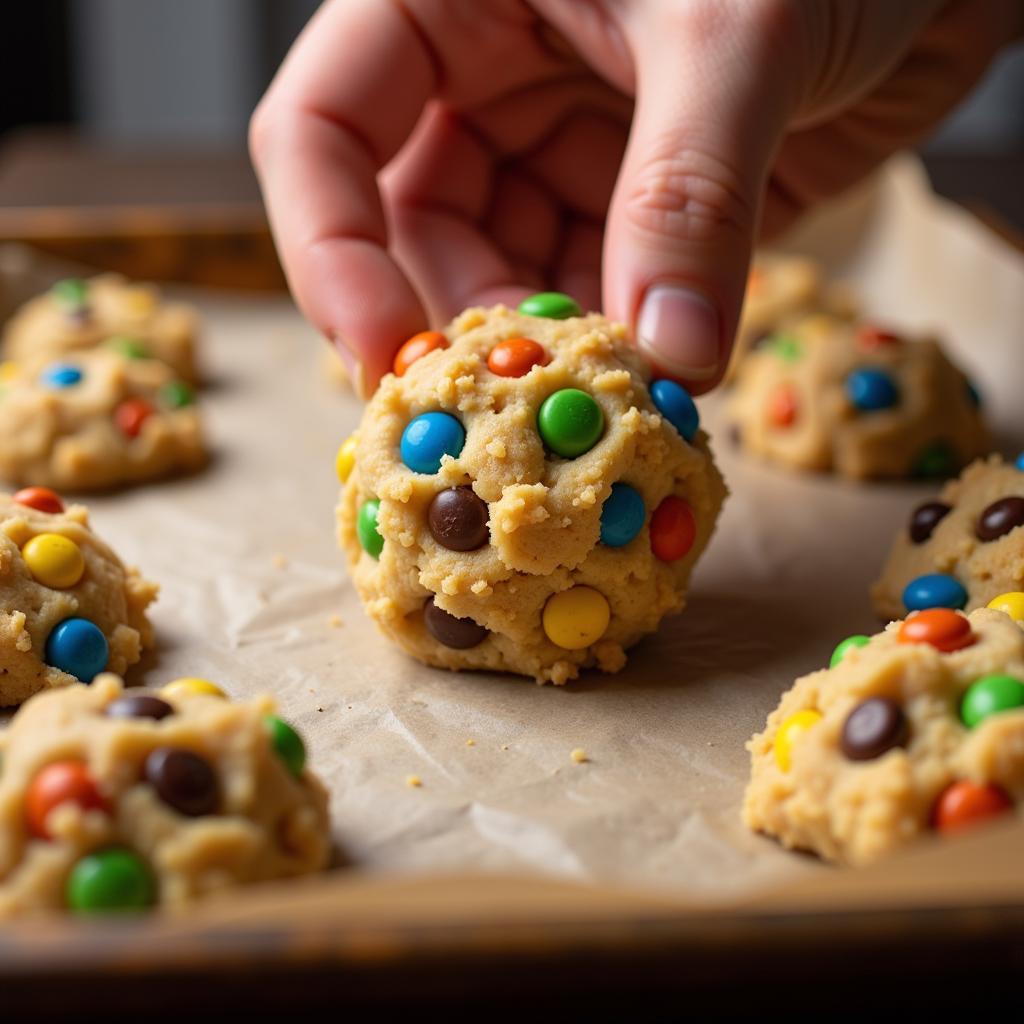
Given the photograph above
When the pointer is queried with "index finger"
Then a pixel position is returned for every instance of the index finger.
(336, 112)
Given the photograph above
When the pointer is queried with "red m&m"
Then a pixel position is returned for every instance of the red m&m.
(42, 499)
(673, 529)
(782, 406)
(131, 414)
(964, 804)
(59, 783)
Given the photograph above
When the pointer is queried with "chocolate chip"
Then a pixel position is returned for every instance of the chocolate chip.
(458, 519)
(925, 518)
(452, 632)
(1000, 518)
(873, 727)
(183, 780)
(139, 705)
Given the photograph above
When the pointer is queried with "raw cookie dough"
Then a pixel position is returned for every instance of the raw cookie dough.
(115, 800)
(95, 420)
(919, 728)
(83, 314)
(961, 550)
(53, 571)
(502, 554)
(829, 394)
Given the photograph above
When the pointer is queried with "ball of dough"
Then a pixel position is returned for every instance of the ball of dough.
(105, 595)
(917, 729)
(96, 420)
(517, 501)
(114, 800)
(829, 394)
(76, 315)
(968, 542)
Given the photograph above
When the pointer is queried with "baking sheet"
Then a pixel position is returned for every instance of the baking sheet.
(253, 589)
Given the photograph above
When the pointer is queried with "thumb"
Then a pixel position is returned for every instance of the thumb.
(683, 217)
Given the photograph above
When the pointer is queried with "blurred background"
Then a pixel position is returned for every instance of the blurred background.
(122, 134)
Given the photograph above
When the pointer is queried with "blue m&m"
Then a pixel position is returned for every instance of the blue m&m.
(622, 515)
(428, 437)
(61, 375)
(871, 390)
(78, 647)
(1020, 462)
(934, 590)
(676, 405)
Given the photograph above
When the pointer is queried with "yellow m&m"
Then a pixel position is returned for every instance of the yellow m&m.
(1011, 603)
(191, 686)
(789, 732)
(54, 560)
(576, 618)
(345, 460)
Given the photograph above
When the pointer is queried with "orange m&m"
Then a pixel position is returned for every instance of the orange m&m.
(943, 628)
(673, 529)
(62, 782)
(42, 499)
(782, 406)
(416, 348)
(131, 414)
(516, 357)
(967, 803)
(870, 337)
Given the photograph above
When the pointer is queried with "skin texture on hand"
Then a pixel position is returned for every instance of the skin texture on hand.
(420, 156)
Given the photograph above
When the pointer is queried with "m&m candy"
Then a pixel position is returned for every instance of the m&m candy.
(1011, 604)
(845, 646)
(60, 376)
(366, 528)
(925, 518)
(673, 529)
(287, 744)
(416, 348)
(570, 422)
(934, 460)
(54, 560)
(108, 880)
(345, 460)
(934, 590)
(458, 519)
(192, 686)
(42, 499)
(989, 696)
(450, 630)
(176, 394)
(999, 518)
(673, 401)
(791, 730)
(964, 804)
(78, 647)
(1020, 462)
(782, 406)
(870, 337)
(874, 727)
(60, 782)
(576, 618)
(553, 305)
(72, 291)
(129, 348)
(622, 515)
(427, 438)
(871, 390)
(183, 780)
(941, 628)
(131, 414)
(787, 348)
(516, 357)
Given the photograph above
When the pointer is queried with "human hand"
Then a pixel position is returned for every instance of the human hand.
(420, 156)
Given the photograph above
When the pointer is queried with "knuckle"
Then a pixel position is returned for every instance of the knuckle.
(260, 131)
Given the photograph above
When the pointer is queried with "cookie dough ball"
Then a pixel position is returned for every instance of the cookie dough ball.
(131, 318)
(115, 801)
(96, 420)
(69, 608)
(961, 550)
(523, 497)
(917, 729)
(829, 394)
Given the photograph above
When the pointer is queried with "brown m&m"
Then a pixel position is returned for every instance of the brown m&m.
(183, 780)
(925, 518)
(1000, 518)
(458, 519)
(446, 629)
(872, 728)
(139, 705)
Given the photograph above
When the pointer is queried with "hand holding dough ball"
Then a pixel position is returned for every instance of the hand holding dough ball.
(522, 498)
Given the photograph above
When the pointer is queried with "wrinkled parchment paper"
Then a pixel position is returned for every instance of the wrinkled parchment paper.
(253, 588)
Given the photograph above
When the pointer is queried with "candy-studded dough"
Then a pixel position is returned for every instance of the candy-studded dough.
(96, 420)
(110, 596)
(188, 794)
(972, 533)
(828, 394)
(927, 748)
(82, 314)
(541, 570)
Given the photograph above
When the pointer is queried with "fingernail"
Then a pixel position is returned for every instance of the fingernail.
(353, 367)
(678, 329)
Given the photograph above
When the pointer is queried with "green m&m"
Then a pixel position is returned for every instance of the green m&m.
(847, 645)
(787, 348)
(366, 528)
(110, 880)
(990, 695)
(130, 348)
(177, 394)
(287, 744)
(72, 291)
(553, 305)
(570, 422)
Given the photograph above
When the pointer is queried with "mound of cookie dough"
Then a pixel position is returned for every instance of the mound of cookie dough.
(961, 550)
(131, 318)
(522, 497)
(830, 394)
(96, 420)
(69, 608)
(918, 729)
(115, 801)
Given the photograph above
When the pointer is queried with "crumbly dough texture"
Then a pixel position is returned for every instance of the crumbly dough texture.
(544, 512)
(854, 812)
(985, 568)
(114, 307)
(68, 438)
(109, 594)
(812, 361)
(269, 824)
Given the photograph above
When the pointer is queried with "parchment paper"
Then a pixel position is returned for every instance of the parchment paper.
(251, 579)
